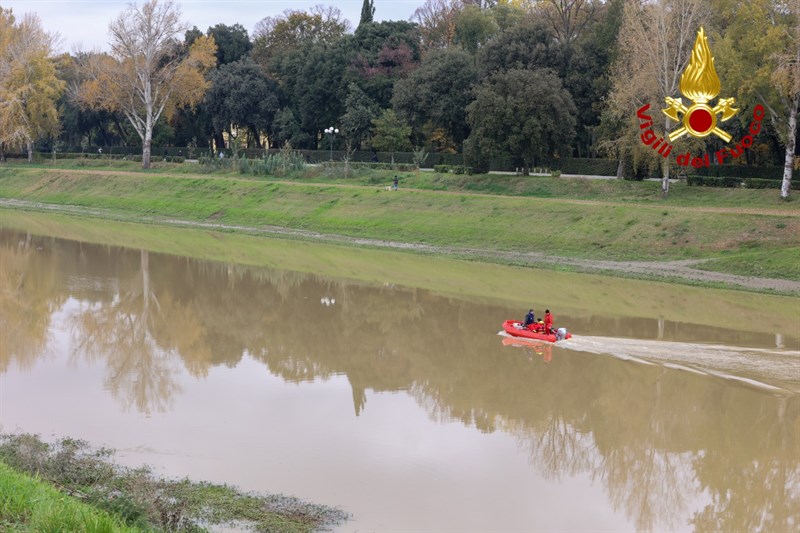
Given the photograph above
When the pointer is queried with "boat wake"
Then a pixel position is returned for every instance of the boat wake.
(776, 370)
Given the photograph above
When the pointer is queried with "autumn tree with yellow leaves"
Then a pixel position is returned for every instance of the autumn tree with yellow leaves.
(760, 52)
(149, 74)
(29, 86)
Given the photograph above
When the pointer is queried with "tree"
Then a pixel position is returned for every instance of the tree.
(313, 81)
(786, 79)
(526, 114)
(437, 22)
(232, 42)
(80, 125)
(367, 12)
(286, 129)
(760, 53)
(528, 45)
(587, 72)
(383, 52)
(568, 18)
(655, 42)
(147, 75)
(29, 86)
(390, 134)
(508, 14)
(474, 26)
(438, 93)
(294, 29)
(241, 95)
(361, 110)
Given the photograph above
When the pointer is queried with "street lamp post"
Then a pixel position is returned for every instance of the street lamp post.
(332, 132)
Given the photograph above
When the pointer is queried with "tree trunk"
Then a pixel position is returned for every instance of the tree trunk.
(786, 185)
(30, 152)
(121, 131)
(256, 137)
(148, 139)
(620, 167)
(219, 142)
(665, 166)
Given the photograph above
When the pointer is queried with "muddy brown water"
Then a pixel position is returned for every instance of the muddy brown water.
(402, 406)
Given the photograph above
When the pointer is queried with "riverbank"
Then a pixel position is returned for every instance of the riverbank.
(738, 237)
(28, 504)
(70, 486)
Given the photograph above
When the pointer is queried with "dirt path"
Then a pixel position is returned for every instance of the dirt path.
(683, 270)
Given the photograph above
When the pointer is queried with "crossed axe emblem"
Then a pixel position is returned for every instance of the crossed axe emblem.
(700, 120)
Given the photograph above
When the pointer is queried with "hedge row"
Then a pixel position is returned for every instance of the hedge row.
(728, 181)
(161, 151)
(455, 169)
(400, 167)
(44, 156)
(741, 171)
(586, 167)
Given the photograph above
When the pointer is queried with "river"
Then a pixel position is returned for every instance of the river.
(402, 403)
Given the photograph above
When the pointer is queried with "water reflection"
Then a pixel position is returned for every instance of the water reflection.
(28, 297)
(657, 439)
(123, 332)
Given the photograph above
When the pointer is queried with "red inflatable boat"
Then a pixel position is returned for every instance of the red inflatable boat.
(516, 329)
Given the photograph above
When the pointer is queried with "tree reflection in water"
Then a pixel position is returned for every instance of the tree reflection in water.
(120, 332)
(28, 298)
(659, 440)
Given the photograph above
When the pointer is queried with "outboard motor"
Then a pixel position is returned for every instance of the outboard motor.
(561, 334)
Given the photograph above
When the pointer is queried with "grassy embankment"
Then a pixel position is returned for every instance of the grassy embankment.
(746, 232)
(573, 294)
(28, 504)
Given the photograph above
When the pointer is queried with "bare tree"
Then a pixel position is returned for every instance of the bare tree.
(568, 18)
(655, 42)
(437, 22)
(148, 74)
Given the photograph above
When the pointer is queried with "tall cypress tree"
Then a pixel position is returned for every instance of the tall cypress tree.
(367, 12)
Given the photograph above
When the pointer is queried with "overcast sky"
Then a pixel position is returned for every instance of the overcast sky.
(84, 23)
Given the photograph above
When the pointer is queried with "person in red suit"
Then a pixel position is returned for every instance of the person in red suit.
(548, 321)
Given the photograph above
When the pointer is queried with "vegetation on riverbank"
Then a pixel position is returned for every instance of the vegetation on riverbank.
(28, 504)
(97, 495)
(591, 219)
(539, 186)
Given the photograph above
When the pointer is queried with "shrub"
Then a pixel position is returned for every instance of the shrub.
(741, 171)
(755, 183)
(441, 169)
(710, 181)
(401, 167)
(420, 156)
(276, 164)
(210, 163)
(587, 167)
